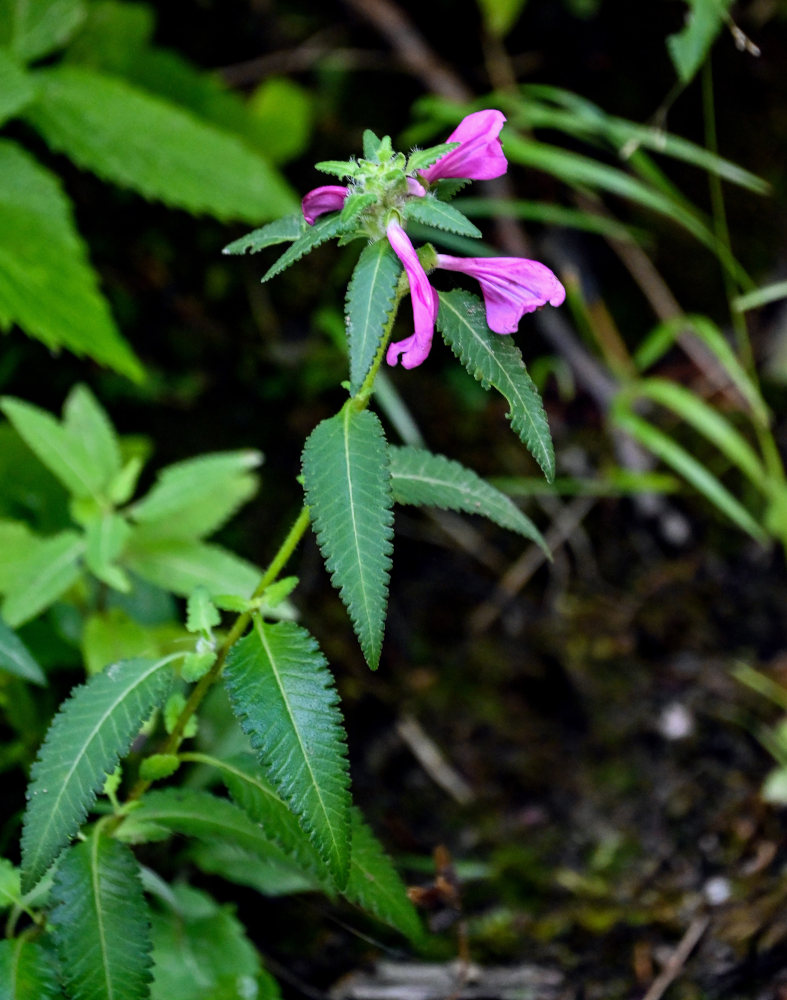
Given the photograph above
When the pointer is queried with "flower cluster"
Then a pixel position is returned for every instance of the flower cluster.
(511, 286)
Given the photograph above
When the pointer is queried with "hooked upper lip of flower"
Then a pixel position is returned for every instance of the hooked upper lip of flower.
(328, 198)
(479, 155)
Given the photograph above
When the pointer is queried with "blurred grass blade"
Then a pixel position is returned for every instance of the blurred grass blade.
(551, 215)
(761, 296)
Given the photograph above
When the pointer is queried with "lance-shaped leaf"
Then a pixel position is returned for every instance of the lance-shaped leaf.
(211, 820)
(427, 480)
(100, 922)
(348, 490)
(431, 211)
(131, 138)
(283, 694)
(179, 565)
(16, 659)
(495, 360)
(370, 300)
(32, 30)
(322, 230)
(46, 283)
(87, 421)
(53, 566)
(283, 230)
(374, 884)
(27, 971)
(89, 734)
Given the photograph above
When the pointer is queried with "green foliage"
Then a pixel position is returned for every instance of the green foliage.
(371, 296)
(15, 658)
(283, 694)
(27, 971)
(51, 568)
(430, 211)
(419, 477)
(496, 361)
(10, 885)
(16, 88)
(100, 922)
(348, 490)
(33, 30)
(200, 952)
(500, 16)
(323, 230)
(690, 47)
(92, 730)
(283, 230)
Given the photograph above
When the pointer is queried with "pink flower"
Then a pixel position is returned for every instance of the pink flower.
(479, 155)
(512, 286)
(329, 198)
(414, 349)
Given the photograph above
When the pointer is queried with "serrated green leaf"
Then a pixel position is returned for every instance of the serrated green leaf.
(370, 300)
(283, 694)
(32, 30)
(139, 141)
(86, 421)
(374, 884)
(689, 47)
(62, 452)
(200, 951)
(51, 569)
(348, 490)
(47, 285)
(495, 360)
(27, 971)
(203, 816)
(16, 86)
(430, 211)
(195, 497)
(89, 734)
(201, 613)
(158, 766)
(371, 144)
(354, 204)
(16, 659)
(421, 478)
(324, 229)
(10, 885)
(100, 922)
(179, 565)
(338, 168)
(420, 159)
(283, 230)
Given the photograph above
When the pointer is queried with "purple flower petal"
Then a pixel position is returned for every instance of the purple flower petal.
(329, 198)
(415, 348)
(479, 156)
(512, 286)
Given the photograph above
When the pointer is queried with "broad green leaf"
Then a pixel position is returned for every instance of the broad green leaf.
(34, 28)
(283, 230)
(17, 545)
(374, 884)
(690, 468)
(87, 422)
(27, 971)
(51, 569)
(196, 497)
(324, 229)
(90, 732)
(283, 694)
(100, 921)
(689, 47)
(205, 817)
(709, 422)
(10, 885)
(64, 453)
(494, 360)
(419, 477)
(109, 636)
(430, 211)
(47, 285)
(283, 112)
(370, 300)
(201, 952)
(105, 539)
(348, 490)
(180, 565)
(16, 85)
(151, 146)
(420, 159)
(16, 659)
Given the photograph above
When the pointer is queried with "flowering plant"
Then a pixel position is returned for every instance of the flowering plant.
(106, 778)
